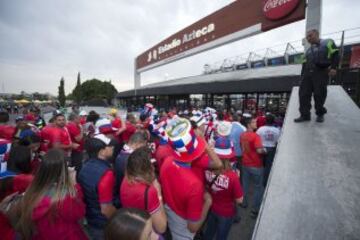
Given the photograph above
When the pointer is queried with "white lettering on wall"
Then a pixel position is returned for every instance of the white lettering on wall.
(153, 55)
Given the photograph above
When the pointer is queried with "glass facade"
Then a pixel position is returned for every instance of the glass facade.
(237, 101)
(219, 101)
(197, 100)
(251, 102)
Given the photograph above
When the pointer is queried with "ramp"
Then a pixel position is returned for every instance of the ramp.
(314, 186)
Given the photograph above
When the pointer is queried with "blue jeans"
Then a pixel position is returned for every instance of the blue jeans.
(217, 225)
(256, 175)
(268, 161)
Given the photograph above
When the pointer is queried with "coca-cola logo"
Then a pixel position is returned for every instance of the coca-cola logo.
(277, 9)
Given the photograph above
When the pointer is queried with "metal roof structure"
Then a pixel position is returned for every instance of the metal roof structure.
(264, 79)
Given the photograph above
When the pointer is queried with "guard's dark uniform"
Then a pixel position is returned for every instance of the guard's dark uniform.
(314, 76)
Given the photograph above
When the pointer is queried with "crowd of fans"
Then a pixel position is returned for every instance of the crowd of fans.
(165, 175)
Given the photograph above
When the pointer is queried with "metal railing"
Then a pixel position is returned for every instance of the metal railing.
(280, 54)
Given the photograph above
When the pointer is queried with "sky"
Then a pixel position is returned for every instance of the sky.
(44, 40)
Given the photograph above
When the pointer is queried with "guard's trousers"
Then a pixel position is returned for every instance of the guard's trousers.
(313, 82)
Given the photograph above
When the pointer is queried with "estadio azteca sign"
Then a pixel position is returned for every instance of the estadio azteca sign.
(187, 37)
(237, 20)
(277, 9)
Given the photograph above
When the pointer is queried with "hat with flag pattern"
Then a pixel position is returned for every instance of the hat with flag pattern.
(224, 148)
(186, 145)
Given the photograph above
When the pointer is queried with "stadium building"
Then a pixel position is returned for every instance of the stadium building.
(257, 82)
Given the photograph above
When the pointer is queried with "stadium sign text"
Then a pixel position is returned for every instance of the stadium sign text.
(176, 42)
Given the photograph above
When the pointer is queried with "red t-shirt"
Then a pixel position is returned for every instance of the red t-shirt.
(65, 224)
(46, 135)
(19, 184)
(224, 191)
(199, 166)
(74, 131)
(65, 137)
(130, 130)
(30, 117)
(7, 232)
(83, 121)
(250, 141)
(7, 132)
(132, 195)
(105, 187)
(60, 135)
(117, 123)
(182, 190)
(162, 151)
(260, 121)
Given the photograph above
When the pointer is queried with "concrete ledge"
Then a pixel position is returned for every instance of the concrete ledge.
(314, 186)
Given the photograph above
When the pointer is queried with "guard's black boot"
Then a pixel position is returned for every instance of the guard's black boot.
(320, 118)
(302, 119)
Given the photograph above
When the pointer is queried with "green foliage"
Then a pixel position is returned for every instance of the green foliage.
(39, 96)
(70, 96)
(77, 92)
(96, 89)
(61, 92)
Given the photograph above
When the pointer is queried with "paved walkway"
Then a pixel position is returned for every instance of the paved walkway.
(314, 186)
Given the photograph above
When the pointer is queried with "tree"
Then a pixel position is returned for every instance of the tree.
(61, 92)
(96, 89)
(77, 92)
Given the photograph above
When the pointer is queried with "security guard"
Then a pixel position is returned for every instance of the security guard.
(321, 61)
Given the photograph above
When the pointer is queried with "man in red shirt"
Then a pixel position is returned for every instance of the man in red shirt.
(252, 164)
(77, 136)
(83, 116)
(261, 119)
(60, 136)
(30, 117)
(117, 123)
(130, 127)
(183, 188)
(6, 131)
(45, 135)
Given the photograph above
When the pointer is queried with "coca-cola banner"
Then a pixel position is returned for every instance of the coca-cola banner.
(277, 9)
(355, 57)
(235, 21)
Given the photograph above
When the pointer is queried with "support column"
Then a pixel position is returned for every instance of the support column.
(137, 79)
(313, 18)
(313, 15)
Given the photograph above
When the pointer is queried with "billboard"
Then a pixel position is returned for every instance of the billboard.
(237, 20)
(355, 57)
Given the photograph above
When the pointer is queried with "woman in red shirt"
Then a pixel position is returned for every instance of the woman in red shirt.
(226, 192)
(141, 190)
(52, 206)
